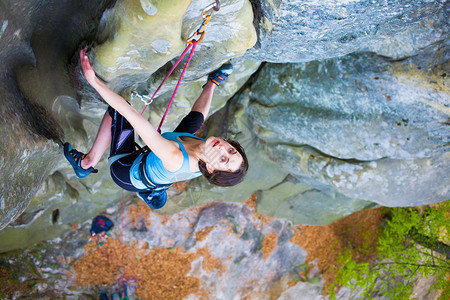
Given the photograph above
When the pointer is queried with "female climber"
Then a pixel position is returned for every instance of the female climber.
(173, 156)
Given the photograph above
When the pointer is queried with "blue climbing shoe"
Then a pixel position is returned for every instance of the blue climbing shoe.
(154, 199)
(75, 157)
(222, 73)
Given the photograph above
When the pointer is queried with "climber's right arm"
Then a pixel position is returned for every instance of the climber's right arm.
(167, 151)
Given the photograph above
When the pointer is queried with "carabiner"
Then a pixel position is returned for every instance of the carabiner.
(201, 30)
(190, 40)
(143, 98)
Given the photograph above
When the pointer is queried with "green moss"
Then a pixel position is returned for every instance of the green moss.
(412, 245)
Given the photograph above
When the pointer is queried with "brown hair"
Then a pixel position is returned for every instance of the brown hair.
(226, 178)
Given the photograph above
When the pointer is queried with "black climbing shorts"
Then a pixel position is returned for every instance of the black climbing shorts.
(123, 142)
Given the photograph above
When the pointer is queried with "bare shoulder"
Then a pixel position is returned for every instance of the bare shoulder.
(173, 159)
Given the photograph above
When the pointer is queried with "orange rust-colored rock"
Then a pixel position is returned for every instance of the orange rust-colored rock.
(251, 203)
(164, 219)
(268, 244)
(210, 262)
(201, 235)
(10, 286)
(324, 243)
(100, 264)
(230, 231)
(159, 273)
(139, 211)
(180, 186)
(163, 275)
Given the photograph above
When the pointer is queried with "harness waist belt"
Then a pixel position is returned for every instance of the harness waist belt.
(146, 180)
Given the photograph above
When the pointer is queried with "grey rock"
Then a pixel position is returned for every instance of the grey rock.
(359, 107)
(303, 31)
(378, 133)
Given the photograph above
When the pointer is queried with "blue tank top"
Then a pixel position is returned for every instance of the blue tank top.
(156, 171)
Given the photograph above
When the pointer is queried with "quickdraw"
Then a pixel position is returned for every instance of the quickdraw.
(201, 30)
(192, 41)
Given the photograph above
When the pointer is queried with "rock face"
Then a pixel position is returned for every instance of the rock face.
(368, 142)
(340, 104)
(178, 256)
(39, 109)
(148, 34)
(304, 31)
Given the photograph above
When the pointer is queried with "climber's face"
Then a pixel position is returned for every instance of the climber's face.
(221, 156)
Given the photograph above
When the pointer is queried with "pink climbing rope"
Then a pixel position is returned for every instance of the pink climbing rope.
(194, 43)
(191, 43)
(167, 76)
